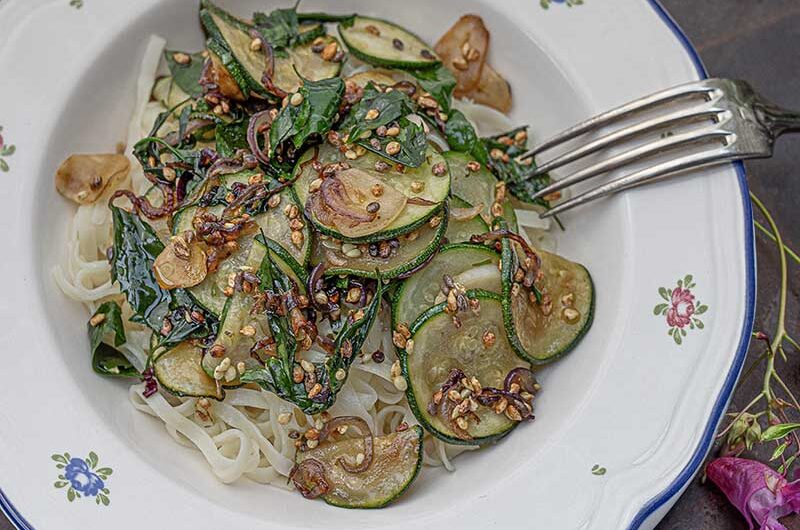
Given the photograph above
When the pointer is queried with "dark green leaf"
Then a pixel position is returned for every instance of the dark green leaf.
(776, 432)
(313, 116)
(106, 359)
(230, 137)
(186, 76)
(281, 28)
(412, 140)
(276, 375)
(461, 137)
(391, 106)
(136, 247)
(439, 83)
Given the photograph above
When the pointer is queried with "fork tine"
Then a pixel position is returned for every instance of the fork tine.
(696, 160)
(628, 133)
(632, 155)
(696, 87)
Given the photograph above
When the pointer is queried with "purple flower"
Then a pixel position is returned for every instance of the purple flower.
(82, 479)
(762, 494)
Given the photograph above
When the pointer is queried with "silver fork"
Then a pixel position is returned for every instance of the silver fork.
(732, 123)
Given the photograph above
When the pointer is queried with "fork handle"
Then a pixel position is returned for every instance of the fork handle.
(777, 119)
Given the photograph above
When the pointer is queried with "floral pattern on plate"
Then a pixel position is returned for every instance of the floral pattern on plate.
(569, 3)
(82, 478)
(681, 308)
(6, 150)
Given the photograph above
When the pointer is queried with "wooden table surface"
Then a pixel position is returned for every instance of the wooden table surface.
(756, 40)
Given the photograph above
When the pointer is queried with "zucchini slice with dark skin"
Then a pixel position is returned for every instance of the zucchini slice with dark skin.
(423, 289)
(179, 371)
(478, 347)
(397, 459)
(229, 40)
(474, 183)
(240, 329)
(543, 331)
(383, 43)
(459, 231)
(424, 191)
(403, 254)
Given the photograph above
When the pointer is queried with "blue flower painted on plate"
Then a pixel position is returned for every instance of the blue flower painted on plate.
(569, 3)
(82, 477)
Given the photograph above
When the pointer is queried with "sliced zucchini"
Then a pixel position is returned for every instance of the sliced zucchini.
(397, 459)
(433, 189)
(477, 187)
(420, 291)
(541, 338)
(179, 371)
(306, 62)
(414, 249)
(239, 330)
(460, 231)
(440, 347)
(382, 43)
(230, 41)
(376, 76)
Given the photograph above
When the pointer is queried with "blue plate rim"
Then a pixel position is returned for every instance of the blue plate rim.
(691, 468)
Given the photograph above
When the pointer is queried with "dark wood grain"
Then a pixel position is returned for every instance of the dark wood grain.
(757, 40)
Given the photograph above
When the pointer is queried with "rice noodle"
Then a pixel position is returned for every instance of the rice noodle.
(244, 437)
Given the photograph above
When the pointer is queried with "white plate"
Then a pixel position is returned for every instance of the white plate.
(629, 400)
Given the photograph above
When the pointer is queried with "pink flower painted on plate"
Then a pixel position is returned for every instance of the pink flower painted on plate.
(762, 494)
(681, 308)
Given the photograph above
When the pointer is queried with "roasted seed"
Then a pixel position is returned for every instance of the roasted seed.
(393, 131)
(329, 52)
(181, 58)
(315, 185)
(248, 331)
(298, 374)
(340, 374)
(392, 148)
(372, 30)
(488, 338)
(417, 186)
(274, 201)
(570, 315)
(372, 114)
(297, 238)
(255, 44)
(296, 99)
(473, 166)
(496, 154)
(435, 221)
(439, 169)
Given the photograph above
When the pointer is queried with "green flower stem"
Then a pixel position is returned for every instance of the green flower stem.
(780, 332)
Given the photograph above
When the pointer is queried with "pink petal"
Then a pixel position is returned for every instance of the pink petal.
(759, 492)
